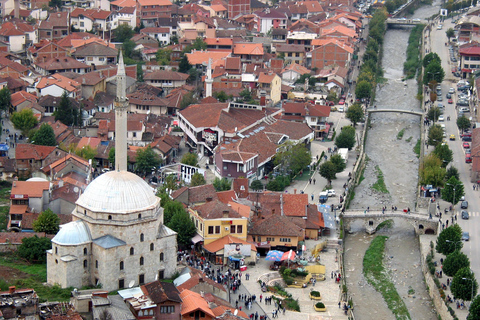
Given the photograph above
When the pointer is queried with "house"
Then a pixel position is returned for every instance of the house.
(64, 64)
(270, 19)
(215, 251)
(292, 53)
(314, 115)
(56, 84)
(148, 103)
(50, 103)
(475, 152)
(328, 52)
(165, 79)
(279, 233)
(194, 195)
(92, 83)
(469, 58)
(161, 34)
(196, 281)
(95, 53)
(125, 15)
(90, 19)
(167, 147)
(30, 158)
(46, 52)
(225, 44)
(270, 85)
(292, 72)
(218, 10)
(56, 26)
(249, 52)
(149, 11)
(11, 311)
(13, 69)
(195, 306)
(237, 8)
(22, 99)
(18, 36)
(302, 38)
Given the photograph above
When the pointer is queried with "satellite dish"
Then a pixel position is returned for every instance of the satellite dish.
(131, 284)
(235, 312)
(75, 189)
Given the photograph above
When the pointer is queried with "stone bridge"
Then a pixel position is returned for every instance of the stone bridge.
(404, 22)
(421, 222)
(374, 110)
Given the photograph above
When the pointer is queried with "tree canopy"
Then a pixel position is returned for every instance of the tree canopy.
(171, 208)
(66, 112)
(47, 222)
(431, 57)
(363, 89)
(461, 285)
(346, 138)
(444, 153)
(355, 114)
(197, 180)
(293, 157)
(433, 113)
(328, 170)
(123, 32)
(435, 135)
(222, 184)
(453, 191)
(44, 136)
(190, 159)
(431, 171)
(256, 185)
(183, 225)
(34, 249)
(449, 240)
(474, 310)
(452, 172)
(164, 56)
(455, 261)
(339, 163)
(463, 123)
(450, 33)
(433, 71)
(187, 100)
(147, 160)
(5, 99)
(24, 120)
(87, 153)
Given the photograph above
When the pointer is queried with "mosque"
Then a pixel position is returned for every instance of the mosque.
(117, 238)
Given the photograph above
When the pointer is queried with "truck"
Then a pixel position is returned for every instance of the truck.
(343, 152)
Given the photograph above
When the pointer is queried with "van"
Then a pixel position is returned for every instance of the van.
(323, 197)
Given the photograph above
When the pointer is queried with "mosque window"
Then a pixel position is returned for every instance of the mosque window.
(84, 251)
(132, 251)
(161, 256)
(139, 216)
(56, 261)
(96, 264)
(121, 265)
(56, 250)
(152, 247)
(109, 217)
(141, 261)
(141, 279)
(121, 283)
(142, 237)
(85, 263)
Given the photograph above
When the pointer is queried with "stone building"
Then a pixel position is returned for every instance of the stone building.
(117, 237)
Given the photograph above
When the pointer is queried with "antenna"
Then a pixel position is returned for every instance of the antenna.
(131, 284)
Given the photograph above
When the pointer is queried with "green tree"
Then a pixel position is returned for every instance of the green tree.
(431, 57)
(5, 99)
(87, 152)
(346, 138)
(129, 48)
(463, 123)
(452, 172)
(55, 4)
(190, 159)
(111, 157)
(363, 89)
(435, 135)
(221, 184)
(339, 163)
(355, 113)
(431, 171)
(246, 95)
(450, 33)
(293, 157)
(198, 44)
(184, 65)
(187, 100)
(453, 191)
(184, 227)
(47, 222)
(434, 113)
(221, 96)
(454, 236)
(164, 56)
(197, 180)
(433, 71)
(171, 209)
(123, 32)
(44, 136)
(24, 120)
(455, 261)
(444, 153)
(66, 112)
(256, 185)
(328, 170)
(474, 310)
(34, 249)
(461, 285)
(147, 160)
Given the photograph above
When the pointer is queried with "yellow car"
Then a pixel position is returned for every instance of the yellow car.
(452, 137)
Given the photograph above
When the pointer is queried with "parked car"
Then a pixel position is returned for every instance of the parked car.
(464, 109)
(465, 236)
(464, 215)
(439, 97)
(441, 118)
(331, 193)
(449, 95)
(330, 103)
(463, 103)
(450, 101)
(468, 158)
(466, 145)
(452, 137)
(341, 102)
(451, 90)
(467, 138)
(464, 204)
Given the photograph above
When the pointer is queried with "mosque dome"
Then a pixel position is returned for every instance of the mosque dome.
(118, 192)
(72, 233)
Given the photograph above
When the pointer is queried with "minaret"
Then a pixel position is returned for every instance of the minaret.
(121, 105)
(208, 79)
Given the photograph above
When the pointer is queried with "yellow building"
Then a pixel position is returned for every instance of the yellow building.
(277, 232)
(271, 84)
(215, 219)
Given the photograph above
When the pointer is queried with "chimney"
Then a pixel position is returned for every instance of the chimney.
(16, 12)
(295, 191)
(209, 199)
(11, 289)
(225, 213)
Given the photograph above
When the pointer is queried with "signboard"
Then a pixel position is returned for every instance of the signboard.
(186, 172)
(236, 249)
(443, 12)
(209, 136)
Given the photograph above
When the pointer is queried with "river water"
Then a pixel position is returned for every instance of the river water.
(399, 165)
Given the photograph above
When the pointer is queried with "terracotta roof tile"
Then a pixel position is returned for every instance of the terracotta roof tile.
(24, 151)
(220, 243)
(276, 225)
(295, 204)
(34, 189)
(215, 209)
(193, 301)
(226, 196)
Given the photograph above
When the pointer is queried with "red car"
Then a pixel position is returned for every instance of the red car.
(341, 102)
(466, 145)
(330, 103)
(450, 101)
(468, 158)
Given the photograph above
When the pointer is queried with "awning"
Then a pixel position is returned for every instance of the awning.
(175, 122)
(197, 238)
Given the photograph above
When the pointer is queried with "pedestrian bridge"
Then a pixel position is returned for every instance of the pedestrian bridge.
(404, 22)
(374, 110)
(372, 219)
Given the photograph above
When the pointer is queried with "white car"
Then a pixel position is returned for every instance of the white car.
(441, 118)
(440, 26)
(331, 193)
(340, 109)
(451, 90)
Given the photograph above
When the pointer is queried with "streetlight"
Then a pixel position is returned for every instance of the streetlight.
(471, 297)
(453, 200)
(449, 241)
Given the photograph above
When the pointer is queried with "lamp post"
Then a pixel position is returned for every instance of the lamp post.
(471, 297)
(454, 202)
(455, 242)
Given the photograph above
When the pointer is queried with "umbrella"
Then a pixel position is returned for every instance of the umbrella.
(274, 255)
(290, 255)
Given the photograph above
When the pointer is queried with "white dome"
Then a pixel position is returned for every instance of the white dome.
(72, 233)
(37, 179)
(118, 192)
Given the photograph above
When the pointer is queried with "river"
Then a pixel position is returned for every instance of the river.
(399, 164)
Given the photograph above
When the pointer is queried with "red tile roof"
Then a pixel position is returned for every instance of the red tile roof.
(34, 189)
(25, 151)
(219, 244)
(295, 204)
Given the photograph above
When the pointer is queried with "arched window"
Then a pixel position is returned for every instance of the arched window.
(85, 263)
(121, 265)
(84, 251)
(152, 247)
(139, 216)
(56, 261)
(109, 217)
(161, 256)
(142, 237)
(132, 251)
(96, 264)
(141, 261)
(56, 250)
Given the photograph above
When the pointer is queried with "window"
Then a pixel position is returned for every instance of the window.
(270, 239)
(82, 24)
(201, 226)
(167, 309)
(217, 229)
(196, 224)
(84, 251)
(139, 216)
(142, 237)
(141, 261)
(297, 54)
(210, 229)
(259, 239)
(239, 229)
(101, 59)
(96, 264)
(121, 265)
(109, 217)
(161, 256)
(89, 58)
(132, 251)
(85, 263)
(225, 168)
(285, 240)
(152, 247)
(141, 279)
(121, 283)
(56, 250)
(232, 229)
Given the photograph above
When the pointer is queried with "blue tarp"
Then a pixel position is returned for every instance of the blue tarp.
(4, 147)
(328, 216)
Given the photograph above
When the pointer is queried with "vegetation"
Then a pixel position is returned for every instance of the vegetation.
(197, 180)
(5, 99)
(279, 183)
(455, 261)
(190, 159)
(24, 121)
(346, 138)
(256, 185)
(387, 224)
(463, 123)
(33, 249)
(123, 32)
(444, 153)
(163, 56)
(170, 209)
(87, 152)
(462, 283)
(363, 90)
(66, 112)
(222, 184)
(450, 33)
(416, 148)
(431, 57)
(449, 240)
(355, 114)
(147, 160)
(380, 184)
(474, 310)
(293, 157)
(187, 100)
(222, 96)
(339, 163)
(4, 214)
(413, 62)
(453, 191)
(328, 170)
(433, 72)
(44, 136)
(47, 222)
(433, 113)
(185, 228)
(315, 293)
(400, 134)
(431, 171)
(435, 135)
(378, 277)
(320, 305)
(452, 172)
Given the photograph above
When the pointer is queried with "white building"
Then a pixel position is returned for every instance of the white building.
(117, 237)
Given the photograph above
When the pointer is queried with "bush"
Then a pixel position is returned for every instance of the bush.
(315, 293)
(291, 304)
(320, 305)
